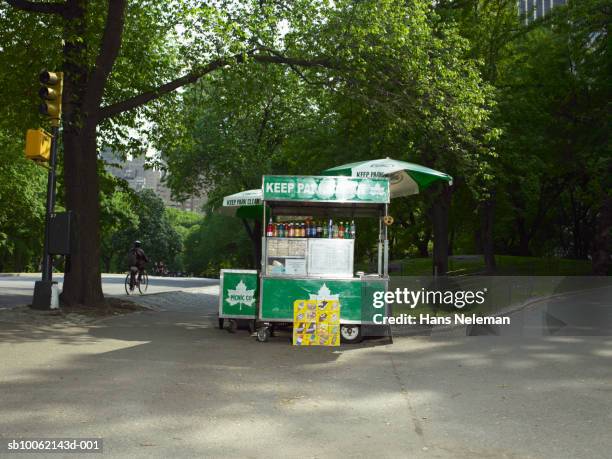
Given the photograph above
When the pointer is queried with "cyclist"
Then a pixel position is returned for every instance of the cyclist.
(137, 260)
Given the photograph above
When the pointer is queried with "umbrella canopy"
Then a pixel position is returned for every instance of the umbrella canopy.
(246, 204)
(405, 178)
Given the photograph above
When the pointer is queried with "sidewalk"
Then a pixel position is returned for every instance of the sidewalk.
(168, 383)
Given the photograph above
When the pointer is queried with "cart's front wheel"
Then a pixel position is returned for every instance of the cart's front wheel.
(263, 334)
(233, 326)
(350, 334)
(221, 321)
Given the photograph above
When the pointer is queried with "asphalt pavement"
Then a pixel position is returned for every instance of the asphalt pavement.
(18, 289)
(167, 383)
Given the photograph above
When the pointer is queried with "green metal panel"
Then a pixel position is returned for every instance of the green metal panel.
(354, 295)
(369, 287)
(325, 189)
(239, 292)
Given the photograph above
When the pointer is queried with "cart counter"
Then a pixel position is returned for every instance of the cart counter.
(355, 295)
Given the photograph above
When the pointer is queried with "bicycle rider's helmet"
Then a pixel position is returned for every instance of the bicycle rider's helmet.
(137, 244)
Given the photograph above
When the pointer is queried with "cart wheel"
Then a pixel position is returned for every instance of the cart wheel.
(263, 334)
(233, 326)
(220, 324)
(350, 334)
(251, 326)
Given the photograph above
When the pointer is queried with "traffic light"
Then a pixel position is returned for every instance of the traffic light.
(38, 145)
(51, 93)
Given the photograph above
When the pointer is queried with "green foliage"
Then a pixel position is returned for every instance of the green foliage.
(399, 86)
(128, 216)
(22, 212)
(218, 242)
(518, 114)
(555, 163)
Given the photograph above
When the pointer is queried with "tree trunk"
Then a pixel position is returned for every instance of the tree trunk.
(422, 244)
(486, 223)
(82, 285)
(255, 235)
(440, 212)
(602, 243)
(523, 249)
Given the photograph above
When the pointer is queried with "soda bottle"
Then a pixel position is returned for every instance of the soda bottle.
(353, 230)
(325, 231)
(330, 229)
(319, 229)
(270, 229)
(347, 231)
(340, 230)
(335, 231)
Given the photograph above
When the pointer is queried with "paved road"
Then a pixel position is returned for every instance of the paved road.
(169, 384)
(16, 290)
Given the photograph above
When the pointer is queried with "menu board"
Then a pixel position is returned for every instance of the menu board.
(286, 257)
(282, 247)
(316, 323)
(331, 257)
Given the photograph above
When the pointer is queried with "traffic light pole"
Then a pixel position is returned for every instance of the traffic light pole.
(47, 265)
(43, 288)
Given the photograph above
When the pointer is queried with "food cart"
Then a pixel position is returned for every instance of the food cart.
(308, 246)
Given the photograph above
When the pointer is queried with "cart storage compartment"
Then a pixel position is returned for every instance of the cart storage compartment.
(354, 295)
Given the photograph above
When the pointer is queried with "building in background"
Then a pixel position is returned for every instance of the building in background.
(537, 9)
(140, 178)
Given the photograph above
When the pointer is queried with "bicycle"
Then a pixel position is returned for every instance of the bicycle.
(141, 282)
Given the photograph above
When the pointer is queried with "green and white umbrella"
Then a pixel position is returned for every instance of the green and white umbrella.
(405, 178)
(246, 204)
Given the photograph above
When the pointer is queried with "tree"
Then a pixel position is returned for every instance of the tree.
(402, 87)
(22, 215)
(118, 221)
(216, 243)
(554, 164)
(184, 223)
(117, 58)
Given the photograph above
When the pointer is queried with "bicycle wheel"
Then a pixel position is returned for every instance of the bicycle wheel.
(127, 284)
(144, 283)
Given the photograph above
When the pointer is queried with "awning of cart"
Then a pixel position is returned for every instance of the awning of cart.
(246, 204)
(405, 178)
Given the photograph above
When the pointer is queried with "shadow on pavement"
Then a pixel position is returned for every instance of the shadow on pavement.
(168, 383)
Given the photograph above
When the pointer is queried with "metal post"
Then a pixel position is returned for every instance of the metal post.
(386, 245)
(43, 288)
(47, 268)
(380, 245)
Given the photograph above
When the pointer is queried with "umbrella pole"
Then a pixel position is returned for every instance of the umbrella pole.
(380, 238)
(386, 245)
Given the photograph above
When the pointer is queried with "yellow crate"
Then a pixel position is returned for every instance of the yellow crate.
(38, 145)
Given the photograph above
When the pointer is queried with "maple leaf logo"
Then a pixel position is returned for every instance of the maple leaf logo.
(324, 293)
(240, 295)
